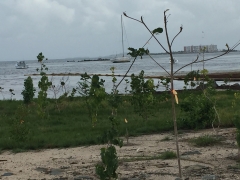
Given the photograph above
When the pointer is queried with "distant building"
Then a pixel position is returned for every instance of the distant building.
(197, 49)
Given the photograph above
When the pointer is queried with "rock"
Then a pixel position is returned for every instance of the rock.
(191, 153)
(236, 84)
(209, 177)
(83, 178)
(7, 174)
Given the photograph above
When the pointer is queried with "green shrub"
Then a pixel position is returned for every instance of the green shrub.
(205, 140)
(168, 155)
(29, 90)
(198, 112)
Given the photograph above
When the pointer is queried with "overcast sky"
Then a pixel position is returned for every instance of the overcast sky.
(92, 28)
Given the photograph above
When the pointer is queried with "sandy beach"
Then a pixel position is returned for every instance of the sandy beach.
(137, 160)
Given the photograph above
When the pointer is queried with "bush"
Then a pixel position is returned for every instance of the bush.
(198, 112)
(29, 90)
(205, 140)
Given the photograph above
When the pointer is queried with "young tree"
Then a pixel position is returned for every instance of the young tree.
(141, 51)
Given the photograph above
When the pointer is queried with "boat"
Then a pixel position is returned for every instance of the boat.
(175, 61)
(21, 65)
(122, 59)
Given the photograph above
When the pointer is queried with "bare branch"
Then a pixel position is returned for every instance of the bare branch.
(181, 28)
(125, 73)
(196, 61)
(235, 45)
(153, 35)
(147, 41)
(159, 64)
(187, 64)
(130, 17)
(147, 29)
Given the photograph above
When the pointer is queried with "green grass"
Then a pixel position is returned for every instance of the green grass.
(205, 140)
(168, 155)
(165, 155)
(72, 126)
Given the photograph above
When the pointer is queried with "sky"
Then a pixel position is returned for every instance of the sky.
(92, 28)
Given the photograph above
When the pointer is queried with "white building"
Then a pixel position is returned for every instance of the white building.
(200, 48)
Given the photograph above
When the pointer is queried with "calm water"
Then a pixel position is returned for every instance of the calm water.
(11, 78)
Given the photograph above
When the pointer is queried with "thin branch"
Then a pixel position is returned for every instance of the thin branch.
(159, 64)
(126, 73)
(147, 41)
(181, 28)
(235, 45)
(187, 65)
(147, 29)
(153, 35)
(130, 17)
(196, 61)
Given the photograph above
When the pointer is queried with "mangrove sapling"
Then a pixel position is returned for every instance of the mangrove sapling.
(11, 93)
(29, 90)
(93, 91)
(141, 51)
(143, 95)
(43, 85)
(199, 110)
(113, 98)
(1, 91)
(56, 89)
(107, 168)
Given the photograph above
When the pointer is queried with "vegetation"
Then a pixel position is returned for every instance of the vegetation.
(29, 90)
(72, 126)
(205, 140)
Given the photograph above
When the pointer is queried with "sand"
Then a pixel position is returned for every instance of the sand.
(213, 162)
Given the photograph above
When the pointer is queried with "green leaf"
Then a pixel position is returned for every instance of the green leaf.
(140, 52)
(157, 31)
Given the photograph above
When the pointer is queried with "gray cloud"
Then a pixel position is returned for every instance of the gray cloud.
(71, 28)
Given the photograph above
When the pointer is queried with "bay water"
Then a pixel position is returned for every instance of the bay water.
(12, 78)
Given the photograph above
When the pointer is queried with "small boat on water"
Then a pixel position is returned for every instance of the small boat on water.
(121, 59)
(174, 60)
(21, 65)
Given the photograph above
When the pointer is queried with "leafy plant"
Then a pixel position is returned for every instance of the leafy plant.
(143, 95)
(107, 168)
(93, 91)
(113, 98)
(198, 112)
(29, 90)
(43, 85)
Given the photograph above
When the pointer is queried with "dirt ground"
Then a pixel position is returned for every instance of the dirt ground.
(212, 162)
